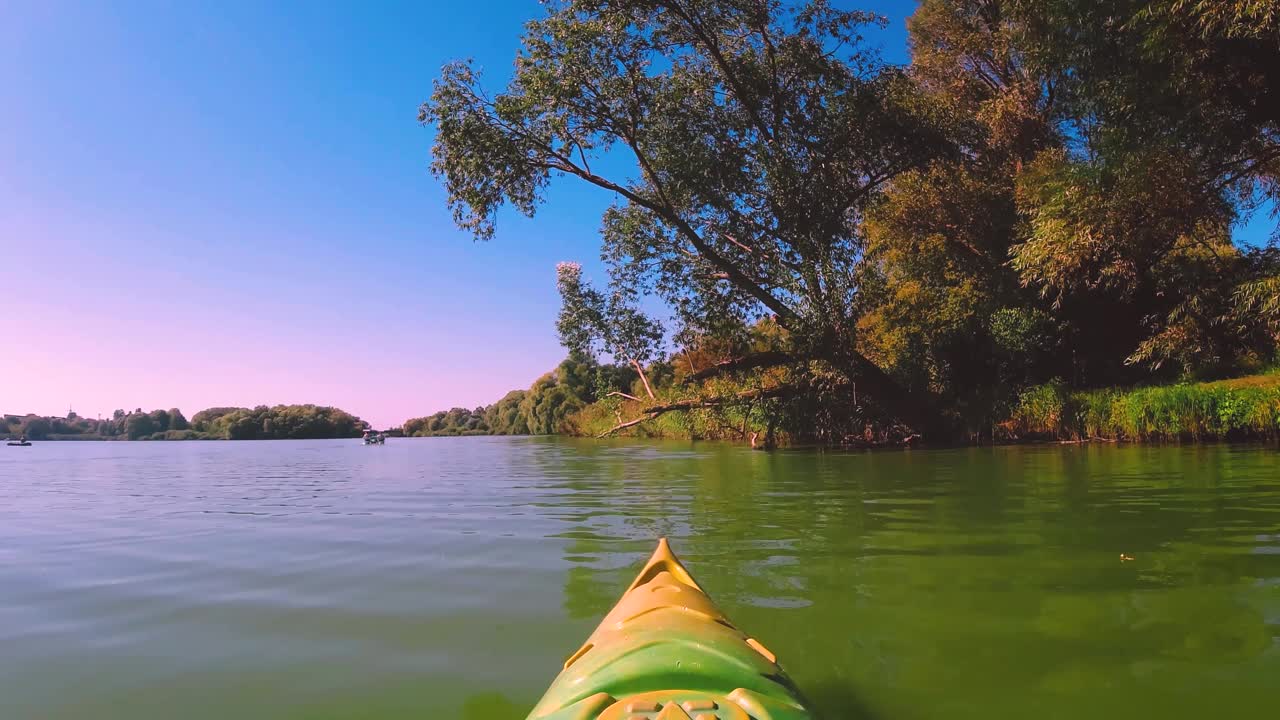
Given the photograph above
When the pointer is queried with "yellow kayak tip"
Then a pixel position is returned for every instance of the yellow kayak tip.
(666, 652)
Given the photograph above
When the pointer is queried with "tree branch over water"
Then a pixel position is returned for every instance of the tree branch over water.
(745, 396)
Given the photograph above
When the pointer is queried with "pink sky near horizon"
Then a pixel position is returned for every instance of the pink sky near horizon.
(230, 205)
(90, 334)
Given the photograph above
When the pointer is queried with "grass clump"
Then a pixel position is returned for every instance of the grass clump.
(1239, 409)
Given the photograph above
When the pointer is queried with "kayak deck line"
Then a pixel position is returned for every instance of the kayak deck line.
(666, 652)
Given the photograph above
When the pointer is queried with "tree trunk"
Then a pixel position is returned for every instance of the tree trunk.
(689, 358)
(643, 379)
(912, 409)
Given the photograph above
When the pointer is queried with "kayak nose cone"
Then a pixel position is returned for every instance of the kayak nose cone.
(666, 652)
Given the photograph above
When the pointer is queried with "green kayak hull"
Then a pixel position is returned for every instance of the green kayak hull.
(666, 652)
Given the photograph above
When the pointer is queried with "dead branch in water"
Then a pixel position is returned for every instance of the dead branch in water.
(698, 403)
(623, 426)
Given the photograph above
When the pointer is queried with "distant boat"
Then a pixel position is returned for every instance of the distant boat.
(373, 438)
(18, 443)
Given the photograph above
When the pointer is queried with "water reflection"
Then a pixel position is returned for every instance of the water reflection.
(450, 578)
(900, 584)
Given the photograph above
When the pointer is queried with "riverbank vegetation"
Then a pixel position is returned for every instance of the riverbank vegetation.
(550, 406)
(281, 422)
(1242, 408)
(1042, 202)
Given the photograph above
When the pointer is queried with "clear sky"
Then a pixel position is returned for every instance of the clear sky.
(228, 203)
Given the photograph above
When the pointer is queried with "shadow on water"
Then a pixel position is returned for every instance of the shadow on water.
(836, 701)
(1080, 571)
(491, 706)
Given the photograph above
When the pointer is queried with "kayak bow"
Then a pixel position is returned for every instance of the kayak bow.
(666, 652)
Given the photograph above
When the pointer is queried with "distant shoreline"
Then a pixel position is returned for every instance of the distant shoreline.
(277, 422)
(203, 438)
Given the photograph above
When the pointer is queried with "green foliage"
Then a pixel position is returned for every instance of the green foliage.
(1043, 409)
(262, 423)
(734, 422)
(1260, 298)
(1021, 332)
(1081, 229)
(35, 428)
(778, 401)
(547, 405)
(1223, 18)
(1174, 106)
(1247, 408)
(281, 422)
(453, 422)
(138, 425)
(544, 409)
(178, 435)
(760, 134)
(504, 417)
(205, 420)
(590, 323)
(1194, 75)
(1047, 192)
(554, 397)
(1105, 225)
(943, 309)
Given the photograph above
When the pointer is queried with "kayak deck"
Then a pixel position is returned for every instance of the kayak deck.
(666, 652)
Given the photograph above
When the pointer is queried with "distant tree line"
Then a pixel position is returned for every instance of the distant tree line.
(546, 408)
(122, 425)
(281, 422)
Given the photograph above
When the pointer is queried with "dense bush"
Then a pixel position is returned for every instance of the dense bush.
(281, 422)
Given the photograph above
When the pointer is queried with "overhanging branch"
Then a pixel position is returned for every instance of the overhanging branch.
(654, 411)
(747, 362)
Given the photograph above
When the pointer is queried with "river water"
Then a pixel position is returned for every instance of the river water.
(448, 578)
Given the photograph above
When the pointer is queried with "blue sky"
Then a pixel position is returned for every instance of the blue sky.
(229, 204)
(226, 204)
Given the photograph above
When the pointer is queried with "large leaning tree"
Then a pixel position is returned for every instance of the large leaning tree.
(751, 137)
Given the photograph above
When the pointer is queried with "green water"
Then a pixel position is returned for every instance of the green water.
(449, 578)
